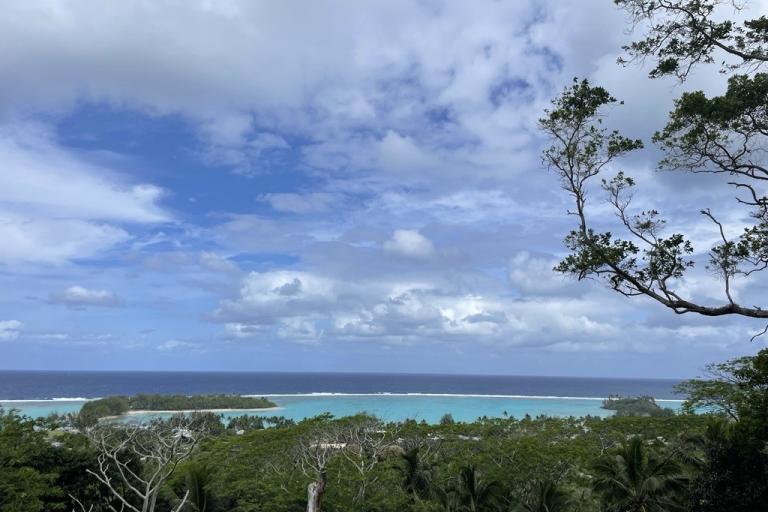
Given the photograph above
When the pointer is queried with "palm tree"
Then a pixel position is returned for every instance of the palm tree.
(545, 496)
(473, 493)
(635, 479)
(197, 479)
(416, 477)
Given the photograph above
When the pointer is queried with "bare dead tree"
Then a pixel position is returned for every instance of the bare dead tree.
(361, 443)
(366, 444)
(312, 454)
(79, 505)
(136, 460)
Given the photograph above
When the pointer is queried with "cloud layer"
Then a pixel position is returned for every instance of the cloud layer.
(251, 183)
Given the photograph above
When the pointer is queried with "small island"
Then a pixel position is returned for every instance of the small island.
(111, 406)
(636, 406)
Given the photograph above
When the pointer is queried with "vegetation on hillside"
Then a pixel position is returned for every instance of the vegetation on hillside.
(706, 462)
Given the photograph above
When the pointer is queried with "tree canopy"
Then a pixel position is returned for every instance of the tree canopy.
(724, 135)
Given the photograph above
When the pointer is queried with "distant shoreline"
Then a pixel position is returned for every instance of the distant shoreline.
(383, 394)
(133, 412)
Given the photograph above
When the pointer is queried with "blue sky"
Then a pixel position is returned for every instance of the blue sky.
(324, 186)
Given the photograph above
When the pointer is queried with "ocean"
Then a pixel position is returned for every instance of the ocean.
(392, 397)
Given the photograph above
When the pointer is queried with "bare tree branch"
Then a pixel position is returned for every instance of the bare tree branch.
(142, 457)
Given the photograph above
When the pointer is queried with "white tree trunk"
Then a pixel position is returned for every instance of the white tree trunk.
(315, 492)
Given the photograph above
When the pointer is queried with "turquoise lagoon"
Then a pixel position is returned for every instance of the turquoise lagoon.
(389, 407)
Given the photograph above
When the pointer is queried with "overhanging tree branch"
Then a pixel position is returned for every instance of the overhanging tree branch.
(581, 149)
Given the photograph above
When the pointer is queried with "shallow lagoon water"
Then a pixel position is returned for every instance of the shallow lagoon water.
(389, 407)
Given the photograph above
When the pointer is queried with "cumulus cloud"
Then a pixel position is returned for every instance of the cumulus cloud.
(78, 297)
(444, 91)
(307, 307)
(9, 329)
(299, 306)
(410, 244)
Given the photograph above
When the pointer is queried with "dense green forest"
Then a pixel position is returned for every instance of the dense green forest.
(626, 463)
(92, 411)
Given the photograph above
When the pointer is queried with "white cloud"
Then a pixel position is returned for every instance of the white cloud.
(217, 263)
(398, 114)
(316, 202)
(56, 207)
(409, 243)
(301, 306)
(300, 330)
(53, 336)
(536, 275)
(9, 329)
(401, 154)
(41, 240)
(239, 330)
(268, 296)
(393, 70)
(80, 297)
(173, 345)
(48, 181)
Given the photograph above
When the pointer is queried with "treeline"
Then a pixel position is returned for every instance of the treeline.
(499, 464)
(94, 410)
(252, 464)
(196, 402)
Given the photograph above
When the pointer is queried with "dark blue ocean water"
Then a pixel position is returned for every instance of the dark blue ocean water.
(32, 385)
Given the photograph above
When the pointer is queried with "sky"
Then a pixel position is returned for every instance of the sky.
(326, 186)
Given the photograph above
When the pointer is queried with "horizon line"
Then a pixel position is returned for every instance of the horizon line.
(294, 372)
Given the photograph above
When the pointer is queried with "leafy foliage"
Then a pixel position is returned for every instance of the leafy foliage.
(683, 33)
(721, 135)
(636, 479)
(734, 471)
(92, 411)
(40, 469)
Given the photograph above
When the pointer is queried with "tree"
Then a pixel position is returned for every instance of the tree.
(636, 406)
(39, 469)
(197, 481)
(415, 474)
(545, 496)
(144, 457)
(361, 441)
(447, 419)
(738, 388)
(473, 492)
(635, 479)
(733, 467)
(722, 135)
(684, 33)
